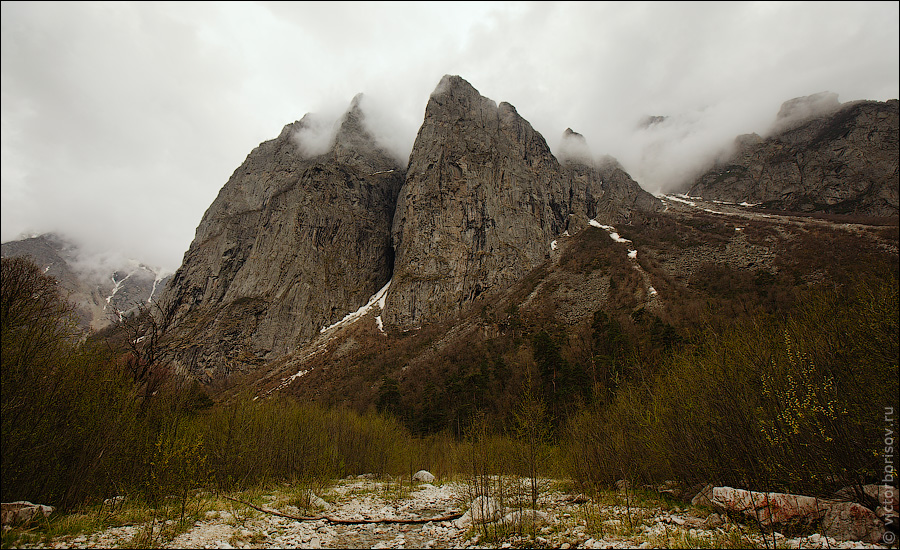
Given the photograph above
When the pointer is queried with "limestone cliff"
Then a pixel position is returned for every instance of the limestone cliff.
(483, 199)
(292, 243)
(821, 157)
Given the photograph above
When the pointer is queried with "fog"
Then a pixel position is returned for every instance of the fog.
(121, 121)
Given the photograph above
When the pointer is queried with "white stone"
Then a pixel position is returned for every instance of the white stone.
(423, 475)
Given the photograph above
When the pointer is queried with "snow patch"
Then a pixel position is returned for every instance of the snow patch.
(681, 198)
(118, 285)
(553, 245)
(632, 254)
(298, 375)
(377, 299)
(652, 291)
(748, 204)
(153, 290)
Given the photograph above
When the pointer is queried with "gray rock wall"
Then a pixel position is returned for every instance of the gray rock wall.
(291, 244)
(482, 201)
(844, 161)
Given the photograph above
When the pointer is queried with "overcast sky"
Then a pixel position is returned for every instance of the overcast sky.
(121, 121)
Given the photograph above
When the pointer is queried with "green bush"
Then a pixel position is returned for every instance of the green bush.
(790, 403)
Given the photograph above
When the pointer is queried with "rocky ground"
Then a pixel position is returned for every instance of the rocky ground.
(565, 520)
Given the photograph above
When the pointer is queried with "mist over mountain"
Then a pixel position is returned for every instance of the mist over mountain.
(322, 226)
(819, 156)
(101, 288)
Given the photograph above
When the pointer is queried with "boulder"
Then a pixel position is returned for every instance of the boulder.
(770, 508)
(22, 511)
(318, 502)
(852, 521)
(423, 476)
(713, 520)
(520, 517)
(485, 509)
(703, 497)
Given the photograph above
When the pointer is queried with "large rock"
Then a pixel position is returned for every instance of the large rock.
(770, 508)
(22, 511)
(424, 476)
(485, 509)
(852, 521)
(298, 237)
(483, 199)
(821, 157)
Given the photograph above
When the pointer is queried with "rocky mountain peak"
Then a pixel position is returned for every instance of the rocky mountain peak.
(299, 236)
(318, 220)
(822, 157)
(796, 111)
(574, 148)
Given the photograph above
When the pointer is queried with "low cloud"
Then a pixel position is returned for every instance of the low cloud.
(121, 122)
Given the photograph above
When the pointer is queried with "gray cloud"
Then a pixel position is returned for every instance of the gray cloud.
(121, 121)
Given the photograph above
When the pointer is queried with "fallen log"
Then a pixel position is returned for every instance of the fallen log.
(339, 521)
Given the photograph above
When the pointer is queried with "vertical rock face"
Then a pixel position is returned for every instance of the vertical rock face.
(292, 243)
(821, 158)
(483, 199)
(601, 188)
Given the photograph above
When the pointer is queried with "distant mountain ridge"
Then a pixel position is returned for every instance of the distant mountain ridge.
(822, 156)
(99, 292)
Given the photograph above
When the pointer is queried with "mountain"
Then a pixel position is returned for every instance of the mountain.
(822, 156)
(294, 243)
(483, 200)
(101, 291)
(296, 238)
(326, 270)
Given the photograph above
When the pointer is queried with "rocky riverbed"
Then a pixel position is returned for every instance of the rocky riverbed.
(563, 520)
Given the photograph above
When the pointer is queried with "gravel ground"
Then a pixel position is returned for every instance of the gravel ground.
(571, 522)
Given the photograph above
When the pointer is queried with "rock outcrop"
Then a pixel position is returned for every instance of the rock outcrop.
(601, 188)
(293, 242)
(821, 157)
(483, 200)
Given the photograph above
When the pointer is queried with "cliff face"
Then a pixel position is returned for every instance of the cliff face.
(822, 157)
(291, 244)
(600, 188)
(298, 239)
(483, 199)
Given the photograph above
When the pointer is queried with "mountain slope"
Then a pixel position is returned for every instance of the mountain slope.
(611, 301)
(293, 242)
(822, 157)
(99, 290)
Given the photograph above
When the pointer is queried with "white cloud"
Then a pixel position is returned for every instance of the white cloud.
(121, 121)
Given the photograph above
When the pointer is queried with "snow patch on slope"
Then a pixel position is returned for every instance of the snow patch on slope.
(377, 299)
